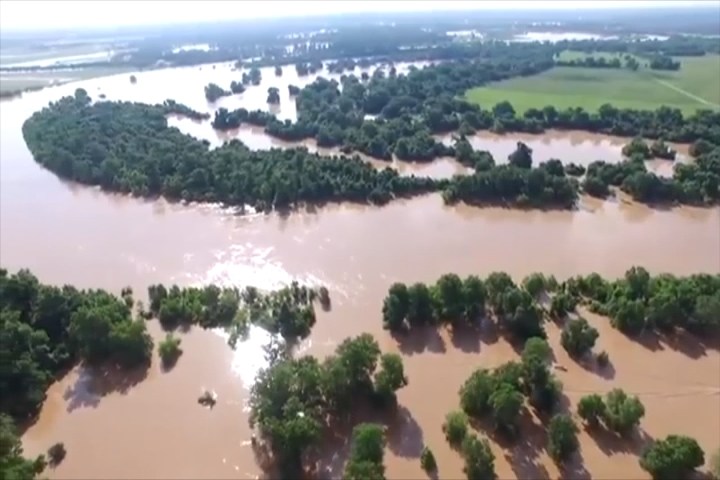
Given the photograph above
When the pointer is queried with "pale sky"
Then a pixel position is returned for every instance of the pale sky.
(54, 14)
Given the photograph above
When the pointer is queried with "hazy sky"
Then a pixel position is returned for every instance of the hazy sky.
(44, 14)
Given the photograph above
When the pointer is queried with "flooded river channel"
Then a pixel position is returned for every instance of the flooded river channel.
(152, 427)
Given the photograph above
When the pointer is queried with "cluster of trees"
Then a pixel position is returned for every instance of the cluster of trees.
(293, 399)
(45, 329)
(213, 92)
(479, 459)
(675, 456)
(13, 465)
(288, 311)
(517, 183)
(663, 62)
(592, 62)
(128, 147)
(619, 411)
(454, 300)
(639, 301)
(366, 453)
(696, 183)
(637, 148)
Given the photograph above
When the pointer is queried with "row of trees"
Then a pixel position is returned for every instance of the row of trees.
(293, 400)
(640, 301)
(287, 311)
(454, 300)
(696, 183)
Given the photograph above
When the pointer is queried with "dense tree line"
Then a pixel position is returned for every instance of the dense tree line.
(128, 147)
(640, 301)
(456, 301)
(592, 62)
(46, 329)
(293, 400)
(287, 311)
(695, 183)
(663, 62)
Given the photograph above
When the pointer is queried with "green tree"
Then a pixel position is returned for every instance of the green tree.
(13, 466)
(578, 337)
(475, 295)
(676, 456)
(450, 297)
(366, 453)
(169, 350)
(455, 427)
(562, 437)
(506, 403)
(420, 305)
(534, 284)
(622, 412)
(427, 460)
(591, 408)
(476, 391)
(391, 376)
(479, 459)
(395, 307)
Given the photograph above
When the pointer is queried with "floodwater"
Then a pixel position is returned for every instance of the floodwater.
(150, 426)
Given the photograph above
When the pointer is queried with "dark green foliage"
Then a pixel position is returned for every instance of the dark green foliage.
(542, 388)
(213, 92)
(622, 412)
(562, 437)
(366, 453)
(45, 329)
(578, 337)
(639, 301)
(506, 403)
(591, 408)
(390, 377)
(479, 459)
(288, 311)
(476, 391)
(13, 466)
(673, 457)
(660, 149)
(89, 143)
(575, 170)
(427, 460)
(56, 454)
(294, 398)
(273, 95)
(455, 428)
(637, 148)
(169, 350)
(603, 359)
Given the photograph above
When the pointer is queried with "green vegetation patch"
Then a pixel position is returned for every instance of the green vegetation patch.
(693, 87)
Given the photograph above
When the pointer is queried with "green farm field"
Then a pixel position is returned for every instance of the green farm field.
(695, 86)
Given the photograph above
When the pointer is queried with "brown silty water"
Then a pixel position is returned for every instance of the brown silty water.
(125, 426)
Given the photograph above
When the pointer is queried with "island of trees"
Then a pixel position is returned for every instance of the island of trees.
(71, 138)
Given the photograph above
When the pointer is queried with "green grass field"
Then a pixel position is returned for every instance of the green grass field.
(695, 86)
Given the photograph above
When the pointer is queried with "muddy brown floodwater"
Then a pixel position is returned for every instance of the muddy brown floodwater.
(151, 426)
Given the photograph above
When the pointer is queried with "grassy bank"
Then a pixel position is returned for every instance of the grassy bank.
(691, 88)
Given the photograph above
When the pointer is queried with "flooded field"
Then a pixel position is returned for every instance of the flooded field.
(152, 427)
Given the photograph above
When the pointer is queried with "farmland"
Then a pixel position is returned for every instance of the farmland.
(691, 88)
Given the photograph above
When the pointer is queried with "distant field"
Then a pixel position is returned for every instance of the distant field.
(11, 82)
(694, 86)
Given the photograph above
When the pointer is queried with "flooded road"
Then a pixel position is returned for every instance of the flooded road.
(152, 427)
